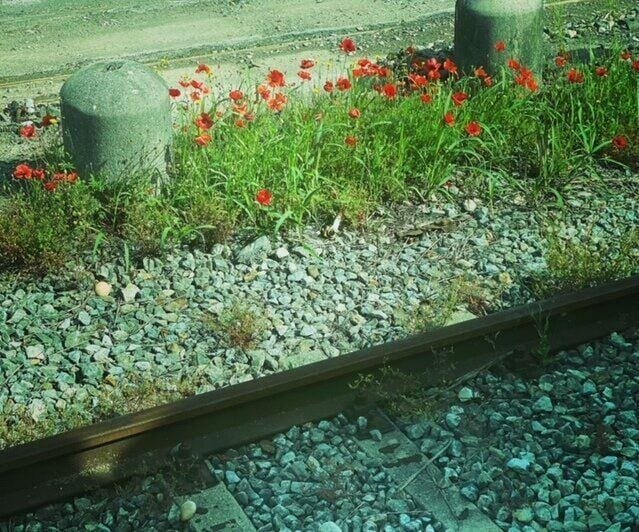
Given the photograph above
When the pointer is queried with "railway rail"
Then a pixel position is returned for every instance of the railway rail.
(57, 467)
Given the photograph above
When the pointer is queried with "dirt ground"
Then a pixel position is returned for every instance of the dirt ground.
(43, 41)
(48, 39)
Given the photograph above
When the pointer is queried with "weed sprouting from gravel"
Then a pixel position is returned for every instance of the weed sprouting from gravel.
(239, 325)
(403, 395)
(577, 265)
(460, 293)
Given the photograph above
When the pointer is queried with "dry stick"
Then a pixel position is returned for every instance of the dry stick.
(411, 479)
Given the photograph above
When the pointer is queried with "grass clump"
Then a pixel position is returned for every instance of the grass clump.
(403, 395)
(577, 265)
(40, 231)
(460, 293)
(239, 325)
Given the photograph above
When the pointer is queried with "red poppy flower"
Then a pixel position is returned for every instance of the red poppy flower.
(626, 55)
(450, 120)
(621, 142)
(203, 68)
(526, 79)
(418, 81)
(240, 109)
(481, 73)
(305, 75)
(51, 186)
(561, 61)
(203, 140)
(574, 76)
(185, 83)
(355, 113)
(369, 69)
(71, 177)
(307, 63)
(489, 81)
(635, 65)
(23, 171)
(351, 141)
(196, 96)
(29, 131)
(264, 92)
(240, 122)
(278, 102)
(426, 98)
(450, 66)
(602, 72)
(264, 197)
(433, 64)
(434, 75)
(390, 91)
(276, 79)
(532, 85)
(474, 129)
(514, 64)
(348, 46)
(344, 84)
(329, 86)
(500, 46)
(236, 95)
(64, 177)
(204, 121)
(175, 93)
(459, 98)
(49, 120)
(196, 84)
(39, 174)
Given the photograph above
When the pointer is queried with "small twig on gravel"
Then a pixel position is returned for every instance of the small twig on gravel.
(411, 479)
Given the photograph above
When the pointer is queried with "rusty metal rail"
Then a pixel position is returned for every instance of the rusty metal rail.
(60, 466)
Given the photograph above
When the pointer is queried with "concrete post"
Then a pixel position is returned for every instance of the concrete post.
(116, 120)
(481, 24)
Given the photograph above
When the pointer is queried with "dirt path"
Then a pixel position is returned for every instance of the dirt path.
(44, 38)
(43, 41)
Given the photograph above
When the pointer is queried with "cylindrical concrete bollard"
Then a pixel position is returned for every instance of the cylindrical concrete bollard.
(116, 120)
(481, 24)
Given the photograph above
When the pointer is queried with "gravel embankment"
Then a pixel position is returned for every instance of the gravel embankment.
(557, 450)
(66, 348)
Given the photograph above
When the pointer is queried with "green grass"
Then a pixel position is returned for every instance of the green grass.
(537, 144)
(577, 265)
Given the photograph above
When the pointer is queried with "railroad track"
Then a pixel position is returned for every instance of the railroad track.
(43, 471)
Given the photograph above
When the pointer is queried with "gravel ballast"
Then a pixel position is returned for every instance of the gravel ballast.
(308, 298)
(553, 448)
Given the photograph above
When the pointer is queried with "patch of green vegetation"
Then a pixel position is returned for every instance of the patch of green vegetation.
(109, 400)
(239, 325)
(460, 293)
(41, 231)
(533, 143)
(577, 265)
(401, 394)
